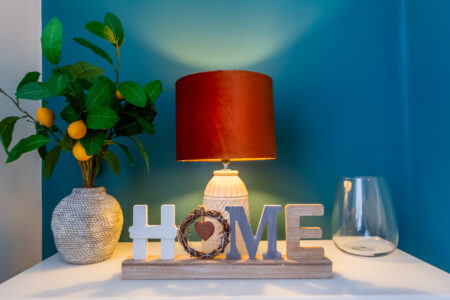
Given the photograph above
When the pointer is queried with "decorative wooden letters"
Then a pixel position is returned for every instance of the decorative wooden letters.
(238, 217)
(140, 232)
(301, 262)
(294, 233)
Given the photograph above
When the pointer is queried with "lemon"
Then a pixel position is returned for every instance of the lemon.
(119, 95)
(45, 117)
(77, 130)
(79, 152)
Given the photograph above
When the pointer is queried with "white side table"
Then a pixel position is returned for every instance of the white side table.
(396, 276)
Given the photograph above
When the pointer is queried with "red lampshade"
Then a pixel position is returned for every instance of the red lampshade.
(225, 115)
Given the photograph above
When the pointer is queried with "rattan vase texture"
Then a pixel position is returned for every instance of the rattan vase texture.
(86, 225)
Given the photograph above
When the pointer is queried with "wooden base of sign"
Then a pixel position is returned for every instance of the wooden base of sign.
(185, 267)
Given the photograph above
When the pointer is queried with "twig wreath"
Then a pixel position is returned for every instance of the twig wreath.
(194, 215)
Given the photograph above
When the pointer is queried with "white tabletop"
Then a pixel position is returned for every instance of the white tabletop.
(395, 276)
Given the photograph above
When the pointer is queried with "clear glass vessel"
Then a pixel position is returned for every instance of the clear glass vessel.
(363, 217)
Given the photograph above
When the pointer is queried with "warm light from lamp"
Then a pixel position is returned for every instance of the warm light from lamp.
(221, 34)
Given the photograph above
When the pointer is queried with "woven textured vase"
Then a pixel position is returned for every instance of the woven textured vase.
(86, 225)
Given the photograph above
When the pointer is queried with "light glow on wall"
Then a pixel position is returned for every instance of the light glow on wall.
(220, 34)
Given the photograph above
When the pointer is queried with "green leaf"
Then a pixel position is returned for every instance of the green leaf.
(115, 104)
(6, 130)
(133, 93)
(29, 77)
(50, 162)
(113, 22)
(76, 95)
(97, 50)
(99, 170)
(41, 129)
(113, 162)
(153, 89)
(148, 112)
(100, 93)
(143, 122)
(77, 104)
(84, 70)
(101, 117)
(68, 114)
(87, 83)
(101, 30)
(67, 143)
(143, 153)
(127, 126)
(42, 152)
(51, 40)
(58, 84)
(34, 91)
(93, 141)
(26, 145)
(127, 153)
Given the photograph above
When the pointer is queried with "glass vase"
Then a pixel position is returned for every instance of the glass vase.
(363, 217)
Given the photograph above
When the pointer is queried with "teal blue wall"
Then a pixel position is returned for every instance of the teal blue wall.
(428, 88)
(340, 90)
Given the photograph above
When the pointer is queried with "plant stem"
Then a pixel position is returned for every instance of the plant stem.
(16, 103)
(57, 138)
(89, 171)
(83, 172)
(97, 160)
(86, 171)
(89, 168)
(118, 65)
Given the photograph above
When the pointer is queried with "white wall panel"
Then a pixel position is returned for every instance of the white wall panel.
(20, 181)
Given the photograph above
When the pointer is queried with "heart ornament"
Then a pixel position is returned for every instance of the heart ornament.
(204, 229)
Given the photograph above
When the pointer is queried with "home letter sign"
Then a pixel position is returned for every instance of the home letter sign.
(301, 262)
(294, 233)
(140, 232)
(269, 216)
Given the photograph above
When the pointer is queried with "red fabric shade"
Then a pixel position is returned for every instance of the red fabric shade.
(225, 115)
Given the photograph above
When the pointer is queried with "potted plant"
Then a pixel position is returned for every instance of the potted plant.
(86, 224)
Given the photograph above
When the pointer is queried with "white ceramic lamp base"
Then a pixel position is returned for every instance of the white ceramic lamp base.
(225, 189)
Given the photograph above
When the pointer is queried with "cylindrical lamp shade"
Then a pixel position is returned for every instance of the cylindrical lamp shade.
(225, 115)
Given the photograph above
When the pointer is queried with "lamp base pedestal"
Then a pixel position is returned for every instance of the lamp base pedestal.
(226, 188)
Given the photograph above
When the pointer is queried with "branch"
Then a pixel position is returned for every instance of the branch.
(17, 105)
(27, 114)
(118, 65)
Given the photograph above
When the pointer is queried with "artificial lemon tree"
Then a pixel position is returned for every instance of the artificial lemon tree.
(98, 110)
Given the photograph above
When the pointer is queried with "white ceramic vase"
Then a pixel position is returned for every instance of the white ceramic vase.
(225, 188)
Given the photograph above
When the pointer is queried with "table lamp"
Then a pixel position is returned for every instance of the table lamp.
(225, 116)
